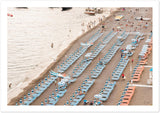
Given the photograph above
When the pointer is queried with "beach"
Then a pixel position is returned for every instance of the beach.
(110, 23)
(30, 42)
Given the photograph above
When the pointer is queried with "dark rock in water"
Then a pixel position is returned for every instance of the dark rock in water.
(66, 8)
(22, 7)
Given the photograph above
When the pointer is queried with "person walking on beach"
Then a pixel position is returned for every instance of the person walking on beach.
(123, 77)
(132, 61)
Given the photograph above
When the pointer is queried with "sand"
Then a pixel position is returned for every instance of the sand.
(99, 83)
(30, 42)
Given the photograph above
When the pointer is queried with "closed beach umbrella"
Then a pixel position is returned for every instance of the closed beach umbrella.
(42, 104)
(42, 81)
(48, 76)
(79, 89)
(73, 95)
(50, 97)
(36, 87)
(67, 102)
(45, 79)
(76, 92)
(56, 90)
(20, 101)
(71, 98)
(39, 84)
(85, 80)
(45, 100)
(28, 94)
(53, 94)
(32, 90)
(109, 79)
(24, 97)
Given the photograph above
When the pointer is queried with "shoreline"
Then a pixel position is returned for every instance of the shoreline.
(54, 63)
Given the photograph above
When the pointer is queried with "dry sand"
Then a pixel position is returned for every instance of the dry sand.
(99, 83)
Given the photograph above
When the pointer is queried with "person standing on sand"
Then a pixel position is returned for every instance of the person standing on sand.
(10, 85)
(123, 76)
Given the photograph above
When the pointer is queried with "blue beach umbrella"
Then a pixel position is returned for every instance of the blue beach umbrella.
(86, 80)
(151, 69)
(24, 97)
(39, 84)
(67, 102)
(36, 87)
(42, 81)
(20, 101)
(32, 90)
(79, 89)
(48, 76)
(50, 96)
(71, 98)
(53, 94)
(58, 96)
(28, 94)
(84, 100)
(42, 104)
(45, 79)
(45, 100)
(73, 95)
(109, 79)
(56, 90)
(76, 92)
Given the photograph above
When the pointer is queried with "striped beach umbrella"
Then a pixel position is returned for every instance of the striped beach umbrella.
(42, 104)
(20, 101)
(45, 100)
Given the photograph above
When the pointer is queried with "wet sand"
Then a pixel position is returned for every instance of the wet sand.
(99, 83)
